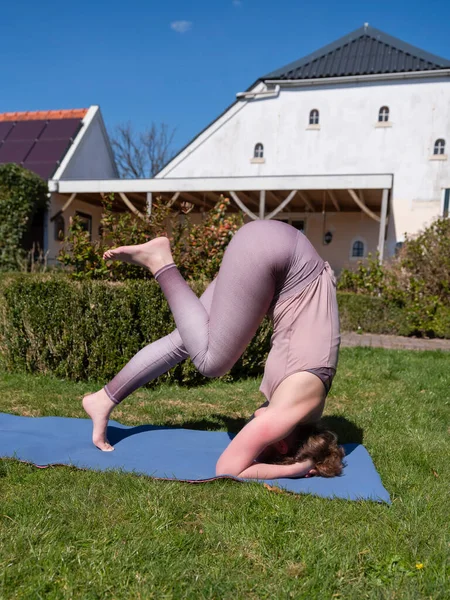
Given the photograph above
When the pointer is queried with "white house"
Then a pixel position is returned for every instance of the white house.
(348, 143)
(60, 144)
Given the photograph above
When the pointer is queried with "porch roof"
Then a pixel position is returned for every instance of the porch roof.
(313, 192)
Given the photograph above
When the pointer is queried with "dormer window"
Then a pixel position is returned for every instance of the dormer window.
(314, 117)
(439, 147)
(259, 151)
(383, 114)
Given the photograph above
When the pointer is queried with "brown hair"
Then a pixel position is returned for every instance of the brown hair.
(316, 443)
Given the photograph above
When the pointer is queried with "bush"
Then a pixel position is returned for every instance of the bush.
(197, 249)
(417, 280)
(83, 330)
(22, 195)
(89, 329)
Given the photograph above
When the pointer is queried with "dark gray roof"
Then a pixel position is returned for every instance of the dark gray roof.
(366, 51)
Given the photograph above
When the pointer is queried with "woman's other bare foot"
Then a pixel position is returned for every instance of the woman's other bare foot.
(99, 406)
(153, 255)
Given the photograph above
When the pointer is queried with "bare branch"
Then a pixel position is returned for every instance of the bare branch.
(142, 154)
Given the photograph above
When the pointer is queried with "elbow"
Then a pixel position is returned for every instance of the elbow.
(223, 469)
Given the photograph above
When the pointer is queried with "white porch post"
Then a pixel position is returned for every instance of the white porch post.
(382, 234)
(262, 203)
(149, 203)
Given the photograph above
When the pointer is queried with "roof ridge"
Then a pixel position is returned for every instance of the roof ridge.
(358, 34)
(44, 115)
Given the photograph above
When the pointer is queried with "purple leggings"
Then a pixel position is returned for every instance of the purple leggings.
(265, 261)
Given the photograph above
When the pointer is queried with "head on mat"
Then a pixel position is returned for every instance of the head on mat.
(307, 441)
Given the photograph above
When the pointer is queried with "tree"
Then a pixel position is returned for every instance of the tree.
(142, 154)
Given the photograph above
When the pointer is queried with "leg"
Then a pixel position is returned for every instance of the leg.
(148, 364)
(257, 256)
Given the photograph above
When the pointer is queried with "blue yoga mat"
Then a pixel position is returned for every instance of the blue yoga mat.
(166, 453)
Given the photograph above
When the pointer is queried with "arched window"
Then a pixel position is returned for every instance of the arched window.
(259, 151)
(383, 114)
(59, 228)
(439, 147)
(358, 249)
(314, 117)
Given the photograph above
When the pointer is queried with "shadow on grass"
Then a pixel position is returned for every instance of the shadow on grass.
(347, 431)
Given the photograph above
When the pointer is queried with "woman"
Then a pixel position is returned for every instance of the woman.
(268, 268)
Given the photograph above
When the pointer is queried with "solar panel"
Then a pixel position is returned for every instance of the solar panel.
(61, 129)
(15, 151)
(43, 169)
(5, 128)
(27, 130)
(48, 150)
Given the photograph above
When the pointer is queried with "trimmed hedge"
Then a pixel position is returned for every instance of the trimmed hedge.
(90, 329)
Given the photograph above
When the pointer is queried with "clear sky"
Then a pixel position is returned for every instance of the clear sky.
(179, 61)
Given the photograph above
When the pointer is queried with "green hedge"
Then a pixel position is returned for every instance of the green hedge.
(89, 330)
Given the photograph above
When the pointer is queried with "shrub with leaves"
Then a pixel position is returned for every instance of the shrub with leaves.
(197, 249)
(200, 250)
(22, 195)
(417, 279)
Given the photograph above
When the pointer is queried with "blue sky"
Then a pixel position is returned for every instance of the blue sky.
(132, 60)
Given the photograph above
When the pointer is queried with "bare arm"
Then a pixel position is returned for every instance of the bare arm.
(268, 471)
(269, 427)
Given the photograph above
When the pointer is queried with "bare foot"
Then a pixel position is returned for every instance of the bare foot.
(98, 406)
(153, 255)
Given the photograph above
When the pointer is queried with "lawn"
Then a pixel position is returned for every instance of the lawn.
(73, 534)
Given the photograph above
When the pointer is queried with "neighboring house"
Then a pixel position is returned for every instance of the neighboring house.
(59, 144)
(348, 144)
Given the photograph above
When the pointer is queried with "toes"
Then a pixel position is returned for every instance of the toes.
(104, 446)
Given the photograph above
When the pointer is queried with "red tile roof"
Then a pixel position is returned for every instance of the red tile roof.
(46, 115)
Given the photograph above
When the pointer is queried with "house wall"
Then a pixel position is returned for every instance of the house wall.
(348, 141)
(92, 158)
(57, 201)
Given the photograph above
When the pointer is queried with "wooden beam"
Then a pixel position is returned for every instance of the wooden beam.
(282, 205)
(131, 206)
(173, 199)
(262, 204)
(383, 221)
(334, 200)
(307, 201)
(363, 207)
(242, 206)
(65, 207)
(246, 198)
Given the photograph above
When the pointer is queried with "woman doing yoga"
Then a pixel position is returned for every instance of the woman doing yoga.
(268, 268)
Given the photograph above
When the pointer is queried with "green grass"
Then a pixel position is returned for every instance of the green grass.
(78, 534)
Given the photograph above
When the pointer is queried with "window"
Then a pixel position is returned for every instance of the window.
(259, 151)
(358, 249)
(85, 221)
(439, 147)
(314, 117)
(383, 115)
(59, 228)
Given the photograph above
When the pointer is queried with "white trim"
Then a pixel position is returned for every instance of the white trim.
(313, 127)
(220, 184)
(382, 124)
(358, 78)
(87, 120)
(257, 160)
(438, 157)
(441, 212)
(358, 239)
